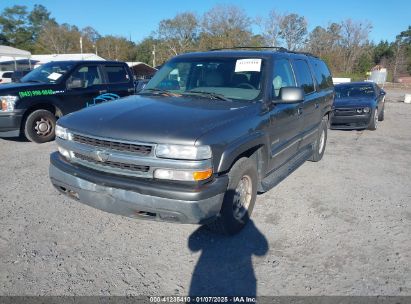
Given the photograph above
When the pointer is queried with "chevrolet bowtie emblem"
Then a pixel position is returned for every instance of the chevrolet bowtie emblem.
(101, 155)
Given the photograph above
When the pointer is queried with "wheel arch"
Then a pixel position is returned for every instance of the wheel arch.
(255, 148)
(41, 106)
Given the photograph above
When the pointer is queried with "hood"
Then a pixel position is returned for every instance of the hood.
(354, 102)
(156, 119)
(16, 87)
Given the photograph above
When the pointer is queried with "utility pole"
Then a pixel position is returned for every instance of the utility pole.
(81, 44)
(154, 56)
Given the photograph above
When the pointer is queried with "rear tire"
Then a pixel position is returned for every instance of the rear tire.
(374, 120)
(239, 198)
(321, 141)
(39, 126)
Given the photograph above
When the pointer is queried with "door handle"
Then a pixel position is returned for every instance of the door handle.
(317, 105)
(130, 90)
(102, 91)
(300, 111)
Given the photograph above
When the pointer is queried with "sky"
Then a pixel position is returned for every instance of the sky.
(138, 19)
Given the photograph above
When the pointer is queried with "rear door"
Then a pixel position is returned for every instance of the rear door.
(93, 85)
(285, 119)
(311, 104)
(120, 82)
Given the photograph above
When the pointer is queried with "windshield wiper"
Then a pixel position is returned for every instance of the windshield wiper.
(208, 94)
(155, 90)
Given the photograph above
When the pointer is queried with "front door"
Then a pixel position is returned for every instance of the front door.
(285, 119)
(92, 87)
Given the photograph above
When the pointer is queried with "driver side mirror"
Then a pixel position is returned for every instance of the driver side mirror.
(290, 95)
(75, 84)
(382, 93)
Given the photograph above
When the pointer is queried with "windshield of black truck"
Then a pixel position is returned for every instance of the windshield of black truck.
(215, 78)
(48, 73)
(357, 91)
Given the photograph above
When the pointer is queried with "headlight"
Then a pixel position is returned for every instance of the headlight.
(363, 110)
(183, 152)
(62, 132)
(182, 175)
(8, 102)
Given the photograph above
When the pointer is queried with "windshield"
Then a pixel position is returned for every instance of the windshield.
(217, 78)
(357, 91)
(48, 73)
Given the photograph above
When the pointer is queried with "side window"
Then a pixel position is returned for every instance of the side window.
(304, 76)
(283, 76)
(7, 75)
(117, 74)
(90, 75)
(322, 74)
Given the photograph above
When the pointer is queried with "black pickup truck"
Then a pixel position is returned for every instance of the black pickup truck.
(32, 105)
(207, 133)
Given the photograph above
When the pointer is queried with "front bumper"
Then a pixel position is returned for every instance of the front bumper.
(154, 203)
(350, 122)
(10, 123)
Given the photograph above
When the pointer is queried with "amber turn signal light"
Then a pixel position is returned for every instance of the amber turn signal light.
(202, 175)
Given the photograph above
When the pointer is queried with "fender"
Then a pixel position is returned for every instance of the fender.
(238, 147)
(47, 100)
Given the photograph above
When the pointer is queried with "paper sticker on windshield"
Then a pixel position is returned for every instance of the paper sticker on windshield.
(54, 76)
(248, 65)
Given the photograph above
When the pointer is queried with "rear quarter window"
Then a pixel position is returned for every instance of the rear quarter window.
(7, 75)
(116, 74)
(322, 74)
(304, 77)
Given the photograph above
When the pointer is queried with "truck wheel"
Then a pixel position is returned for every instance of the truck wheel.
(239, 198)
(321, 141)
(374, 120)
(40, 126)
(381, 115)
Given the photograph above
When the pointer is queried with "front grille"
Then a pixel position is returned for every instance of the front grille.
(113, 145)
(111, 164)
(345, 112)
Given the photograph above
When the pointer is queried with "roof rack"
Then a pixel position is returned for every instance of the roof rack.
(276, 48)
(303, 53)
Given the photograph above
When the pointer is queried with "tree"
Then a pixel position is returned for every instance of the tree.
(354, 36)
(225, 26)
(293, 29)
(59, 39)
(403, 49)
(89, 39)
(38, 18)
(116, 48)
(318, 41)
(14, 25)
(270, 28)
(179, 33)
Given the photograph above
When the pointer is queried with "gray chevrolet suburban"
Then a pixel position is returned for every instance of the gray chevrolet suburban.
(208, 132)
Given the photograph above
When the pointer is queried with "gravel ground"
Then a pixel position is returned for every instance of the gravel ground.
(338, 227)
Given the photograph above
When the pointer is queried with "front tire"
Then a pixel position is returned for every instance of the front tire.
(374, 120)
(239, 198)
(381, 115)
(39, 126)
(321, 141)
